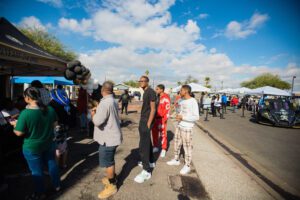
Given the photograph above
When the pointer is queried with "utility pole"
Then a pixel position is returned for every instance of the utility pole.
(293, 84)
(222, 85)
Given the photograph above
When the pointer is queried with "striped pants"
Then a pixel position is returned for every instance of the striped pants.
(183, 137)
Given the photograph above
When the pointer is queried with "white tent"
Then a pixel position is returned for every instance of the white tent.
(195, 88)
(268, 90)
(242, 90)
(226, 91)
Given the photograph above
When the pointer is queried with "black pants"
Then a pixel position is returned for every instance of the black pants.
(224, 107)
(145, 146)
(213, 110)
(125, 105)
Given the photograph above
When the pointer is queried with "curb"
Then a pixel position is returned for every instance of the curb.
(262, 176)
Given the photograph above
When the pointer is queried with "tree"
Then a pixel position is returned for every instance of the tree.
(190, 79)
(207, 80)
(132, 83)
(266, 79)
(49, 43)
(147, 72)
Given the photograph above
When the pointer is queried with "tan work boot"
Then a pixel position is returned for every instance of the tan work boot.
(108, 191)
(105, 181)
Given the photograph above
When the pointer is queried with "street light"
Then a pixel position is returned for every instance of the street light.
(293, 84)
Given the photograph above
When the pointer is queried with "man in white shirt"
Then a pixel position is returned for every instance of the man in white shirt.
(188, 114)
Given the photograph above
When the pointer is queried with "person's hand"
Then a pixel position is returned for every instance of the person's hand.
(148, 125)
(179, 118)
(93, 112)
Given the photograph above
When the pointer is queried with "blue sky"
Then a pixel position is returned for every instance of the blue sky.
(230, 41)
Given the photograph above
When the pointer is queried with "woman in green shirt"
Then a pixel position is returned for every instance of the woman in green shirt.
(36, 124)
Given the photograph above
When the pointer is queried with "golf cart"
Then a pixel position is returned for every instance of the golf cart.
(279, 112)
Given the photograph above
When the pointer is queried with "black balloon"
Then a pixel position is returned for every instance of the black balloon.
(73, 63)
(78, 70)
(75, 70)
(70, 75)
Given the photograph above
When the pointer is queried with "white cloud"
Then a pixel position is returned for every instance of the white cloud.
(55, 3)
(120, 22)
(203, 15)
(33, 23)
(257, 20)
(146, 38)
(138, 10)
(241, 30)
(83, 27)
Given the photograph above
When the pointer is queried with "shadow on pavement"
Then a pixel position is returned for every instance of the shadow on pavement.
(125, 123)
(82, 158)
(170, 136)
(182, 197)
(131, 162)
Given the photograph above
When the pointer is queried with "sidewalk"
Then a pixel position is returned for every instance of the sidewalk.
(266, 153)
(222, 177)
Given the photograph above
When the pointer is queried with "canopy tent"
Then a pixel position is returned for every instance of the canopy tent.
(242, 90)
(19, 56)
(44, 79)
(195, 88)
(226, 91)
(268, 90)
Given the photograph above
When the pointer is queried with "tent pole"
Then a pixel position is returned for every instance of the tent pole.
(11, 88)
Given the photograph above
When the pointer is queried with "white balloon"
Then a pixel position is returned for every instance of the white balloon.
(95, 84)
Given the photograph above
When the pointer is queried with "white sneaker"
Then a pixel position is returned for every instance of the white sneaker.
(163, 153)
(152, 165)
(142, 177)
(185, 170)
(155, 150)
(173, 162)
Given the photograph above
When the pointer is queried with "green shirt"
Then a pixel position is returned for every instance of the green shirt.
(38, 129)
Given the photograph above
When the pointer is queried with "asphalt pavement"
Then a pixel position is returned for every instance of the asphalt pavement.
(273, 151)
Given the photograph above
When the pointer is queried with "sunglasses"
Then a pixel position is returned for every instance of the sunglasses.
(143, 81)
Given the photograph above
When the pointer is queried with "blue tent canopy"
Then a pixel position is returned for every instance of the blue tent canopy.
(44, 79)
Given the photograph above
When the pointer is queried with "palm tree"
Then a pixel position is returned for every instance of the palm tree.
(207, 80)
(147, 72)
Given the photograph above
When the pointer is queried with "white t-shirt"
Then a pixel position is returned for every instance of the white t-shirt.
(218, 103)
(190, 112)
